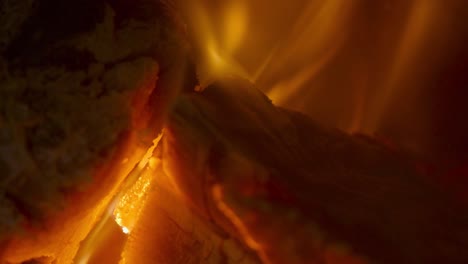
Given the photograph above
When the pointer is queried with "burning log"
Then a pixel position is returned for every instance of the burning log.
(168, 231)
(239, 180)
(76, 82)
(296, 192)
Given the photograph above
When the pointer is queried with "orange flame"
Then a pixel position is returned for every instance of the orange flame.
(345, 63)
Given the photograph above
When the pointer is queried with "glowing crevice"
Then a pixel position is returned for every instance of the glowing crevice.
(217, 194)
(134, 186)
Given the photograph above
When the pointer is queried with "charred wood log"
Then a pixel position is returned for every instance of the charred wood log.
(76, 82)
(297, 192)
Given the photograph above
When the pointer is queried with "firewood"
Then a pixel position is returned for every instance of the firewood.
(77, 79)
(297, 192)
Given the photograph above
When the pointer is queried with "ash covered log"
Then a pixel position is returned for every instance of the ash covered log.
(76, 81)
(296, 192)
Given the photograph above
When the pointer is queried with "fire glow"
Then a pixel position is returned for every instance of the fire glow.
(288, 65)
(357, 58)
(124, 208)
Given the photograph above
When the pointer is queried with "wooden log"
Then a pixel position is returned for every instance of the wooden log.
(297, 192)
(76, 82)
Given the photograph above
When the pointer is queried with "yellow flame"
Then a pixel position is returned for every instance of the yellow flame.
(414, 35)
(281, 46)
(299, 52)
(218, 33)
(281, 92)
(236, 20)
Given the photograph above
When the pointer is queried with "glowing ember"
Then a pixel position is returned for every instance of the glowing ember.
(123, 208)
(129, 207)
(133, 194)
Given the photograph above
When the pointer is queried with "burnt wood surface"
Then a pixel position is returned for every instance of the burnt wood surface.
(69, 75)
(304, 192)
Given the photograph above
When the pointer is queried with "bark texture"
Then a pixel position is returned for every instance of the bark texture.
(297, 192)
